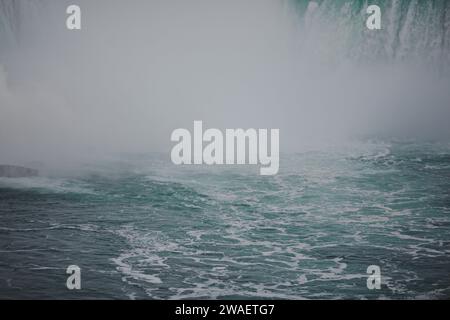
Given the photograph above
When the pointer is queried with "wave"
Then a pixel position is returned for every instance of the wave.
(45, 184)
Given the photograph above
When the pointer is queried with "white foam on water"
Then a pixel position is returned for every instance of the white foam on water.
(129, 271)
(46, 184)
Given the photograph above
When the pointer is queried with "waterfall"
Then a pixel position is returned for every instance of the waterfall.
(17, 19)
(139, 69)
(9, 17)
(13, 17)
(412, 31)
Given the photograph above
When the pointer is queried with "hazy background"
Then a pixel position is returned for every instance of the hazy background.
(359, 184)
(140, 69)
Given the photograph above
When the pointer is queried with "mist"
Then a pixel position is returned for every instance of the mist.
(140, 69)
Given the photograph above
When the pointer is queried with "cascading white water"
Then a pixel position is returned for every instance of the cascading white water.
(396, 77)
(15, 17)
(143, 228)
(417, 31)
(8, 14)
(139, 69)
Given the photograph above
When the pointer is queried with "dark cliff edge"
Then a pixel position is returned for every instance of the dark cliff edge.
(8, 171)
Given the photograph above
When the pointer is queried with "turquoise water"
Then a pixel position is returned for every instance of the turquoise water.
(140, 227)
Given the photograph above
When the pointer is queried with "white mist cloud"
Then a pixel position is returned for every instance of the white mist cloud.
(140, 69)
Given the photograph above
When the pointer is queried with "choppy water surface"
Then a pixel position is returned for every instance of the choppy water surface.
(140, 227)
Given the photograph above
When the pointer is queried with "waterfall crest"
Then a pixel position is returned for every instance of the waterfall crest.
(412, 31)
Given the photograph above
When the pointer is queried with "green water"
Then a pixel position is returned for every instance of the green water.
(140, 227)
